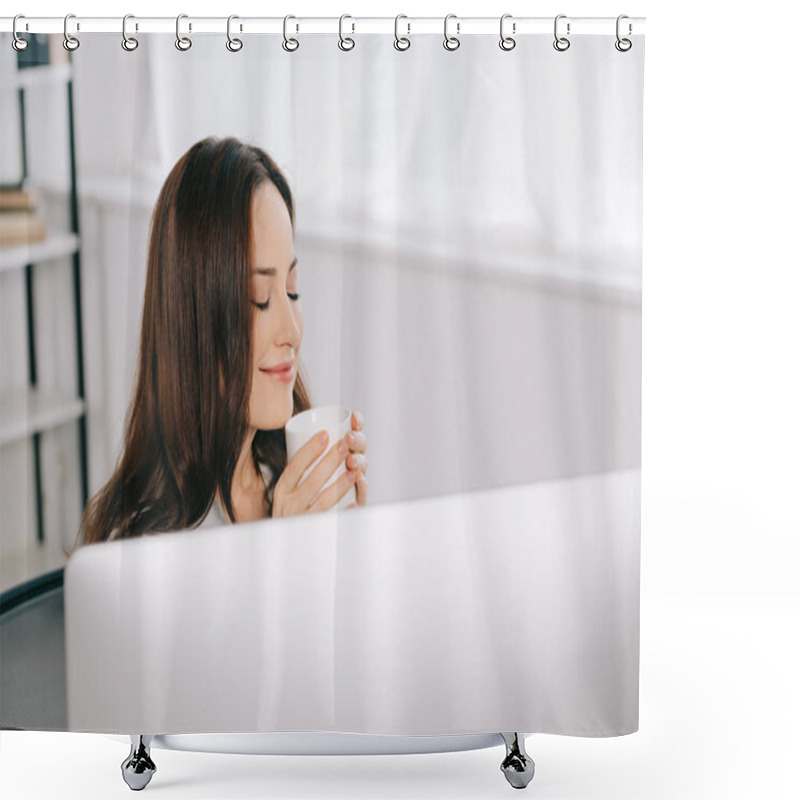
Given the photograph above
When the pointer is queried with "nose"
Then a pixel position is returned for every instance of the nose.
(288, 331)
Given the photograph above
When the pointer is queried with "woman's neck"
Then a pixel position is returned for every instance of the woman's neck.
(247, 486)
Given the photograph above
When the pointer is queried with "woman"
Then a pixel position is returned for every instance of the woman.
(221, 317)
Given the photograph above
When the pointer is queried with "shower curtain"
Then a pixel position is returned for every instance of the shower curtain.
(468, 233)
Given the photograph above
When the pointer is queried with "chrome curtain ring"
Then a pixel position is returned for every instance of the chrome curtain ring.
(401, 43)
(128, 42)
(290, 45)
(623, 45)
(70, 42)
(18, 43)
(451, 42)
(346, 43)
(561, 43)
(506, 42)
(182, 42)
(234, 45)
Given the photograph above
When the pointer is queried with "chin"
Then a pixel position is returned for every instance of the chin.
(274, 421)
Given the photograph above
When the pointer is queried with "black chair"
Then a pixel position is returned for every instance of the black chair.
(33, 675)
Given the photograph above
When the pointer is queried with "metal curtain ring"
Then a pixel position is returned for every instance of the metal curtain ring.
(234, 45)
(561, 43)
(401, 43)
(506, 42)
(451, 42)
(346, 43)
(290, 45)
(182, 42)
(18, 43)
(623, 45)
(70, 42)
(128, 42)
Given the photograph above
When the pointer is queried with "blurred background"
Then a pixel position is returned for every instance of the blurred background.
(469, 264)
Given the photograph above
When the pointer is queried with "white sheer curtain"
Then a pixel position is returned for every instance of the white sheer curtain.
(453, 210)
(468, 233)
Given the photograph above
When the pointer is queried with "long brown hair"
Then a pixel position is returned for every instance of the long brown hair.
(188, 417)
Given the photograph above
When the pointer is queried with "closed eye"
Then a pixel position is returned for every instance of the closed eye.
(265, 306)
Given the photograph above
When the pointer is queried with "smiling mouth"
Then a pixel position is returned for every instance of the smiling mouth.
(286, 374)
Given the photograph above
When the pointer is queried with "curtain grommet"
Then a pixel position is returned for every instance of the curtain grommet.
(451, 42)
(623, 45)
(507, 42)
(17, 42)
(70, 42)
(401, 43)
(346, 43)
(289, 44)
(129, 43)
(561, 43)
(183, 43)
(233, 45)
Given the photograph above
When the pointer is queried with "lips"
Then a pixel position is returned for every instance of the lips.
(281, 372)
(285, 367)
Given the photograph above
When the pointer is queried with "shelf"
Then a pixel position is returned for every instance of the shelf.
(54, 246)
(23, 413)
(42, 75)
(33, 542)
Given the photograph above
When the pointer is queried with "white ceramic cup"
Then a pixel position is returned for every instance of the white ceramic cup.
(303, 426)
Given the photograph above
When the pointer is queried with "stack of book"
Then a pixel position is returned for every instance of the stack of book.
(20, 223)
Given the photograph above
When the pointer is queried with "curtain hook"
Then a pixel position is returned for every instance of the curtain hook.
(506, 42)
(70, 42)
(128, 42)
(451, 42)
(18, 43)
(234, 45)
(346, 43)
(623, 45)
(182, 42)
(561, 43)
(290, 45)
(401, 43)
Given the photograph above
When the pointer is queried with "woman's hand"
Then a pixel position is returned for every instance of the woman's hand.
(294, 497)
(357, 457)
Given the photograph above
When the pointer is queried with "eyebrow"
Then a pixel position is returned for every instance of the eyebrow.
(272, 270)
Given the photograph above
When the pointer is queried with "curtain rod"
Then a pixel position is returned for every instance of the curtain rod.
(462, 26)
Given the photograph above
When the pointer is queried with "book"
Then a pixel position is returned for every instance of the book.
(18, 198)
(21, 227)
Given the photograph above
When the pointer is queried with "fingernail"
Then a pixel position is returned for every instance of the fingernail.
(343, 446)
(323, 437)
(351, 437)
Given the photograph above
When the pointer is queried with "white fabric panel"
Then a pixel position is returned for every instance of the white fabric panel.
(515, 609)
